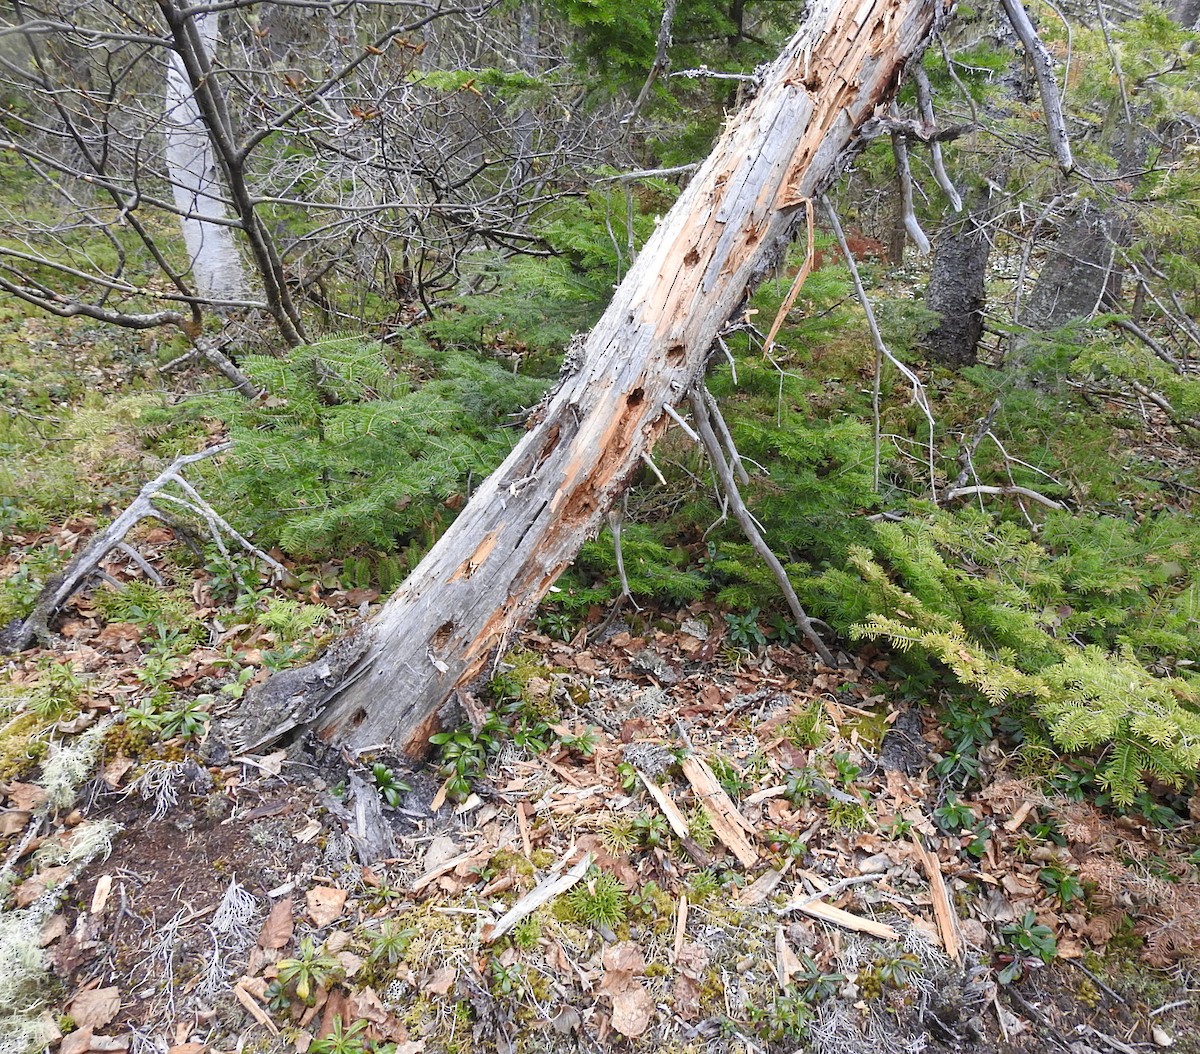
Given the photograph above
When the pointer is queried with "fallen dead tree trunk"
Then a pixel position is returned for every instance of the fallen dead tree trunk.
(461, 605)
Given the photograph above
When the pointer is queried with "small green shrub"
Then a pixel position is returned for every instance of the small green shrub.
(598, 900)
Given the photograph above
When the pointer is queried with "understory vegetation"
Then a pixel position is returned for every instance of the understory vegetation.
(1010, 545)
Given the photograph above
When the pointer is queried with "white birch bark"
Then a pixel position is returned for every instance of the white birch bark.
(217, 269)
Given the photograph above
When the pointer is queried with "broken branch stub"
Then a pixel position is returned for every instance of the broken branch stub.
(525, 524)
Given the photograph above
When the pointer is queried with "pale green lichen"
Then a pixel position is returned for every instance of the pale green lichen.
(70, 765)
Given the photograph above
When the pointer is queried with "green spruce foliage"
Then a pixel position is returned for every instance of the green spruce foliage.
(358, 445)
(1077, 635)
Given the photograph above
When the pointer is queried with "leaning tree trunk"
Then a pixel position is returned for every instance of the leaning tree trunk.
(462, 604)
(216, 267)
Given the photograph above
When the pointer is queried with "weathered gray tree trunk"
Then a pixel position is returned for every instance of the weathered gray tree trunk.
(1076, 272)
(460, 607)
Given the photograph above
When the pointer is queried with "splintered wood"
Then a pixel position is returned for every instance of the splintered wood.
(729, 825)
(818, 909)
(943, 909)
(669, 809)
(543, 893)
(524, 524)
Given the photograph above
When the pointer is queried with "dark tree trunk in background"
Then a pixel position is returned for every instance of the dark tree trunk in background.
(462, 605)
(1076, 272)
(956, 285)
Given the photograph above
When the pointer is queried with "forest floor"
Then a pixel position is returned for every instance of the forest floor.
(717, 849)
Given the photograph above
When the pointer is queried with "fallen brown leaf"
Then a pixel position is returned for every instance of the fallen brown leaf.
(692, 961)
(32, 888)
(25, 795)
(77, 1042)
(325, 904)
(52, 929)
(277, 930)
(115, 771)
(95, 1008)
(13, 821)
(633, 1007)
(441, 981)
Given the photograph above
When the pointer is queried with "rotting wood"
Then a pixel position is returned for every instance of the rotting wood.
(726, 231)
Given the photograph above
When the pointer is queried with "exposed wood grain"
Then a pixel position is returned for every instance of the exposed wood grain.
(729, 825)
(527, 521)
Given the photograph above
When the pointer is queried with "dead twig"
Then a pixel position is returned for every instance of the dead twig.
(712, 446)
(20, 635)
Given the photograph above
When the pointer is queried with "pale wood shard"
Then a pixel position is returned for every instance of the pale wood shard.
(523, 824)
(681, 918)
(787, 962)
(818, 909)
(254, 1010)
(762, 887)
(446, 866)
(669, 809)
(543, 893)
(729, 825)
(1019, 817)
(943, 909)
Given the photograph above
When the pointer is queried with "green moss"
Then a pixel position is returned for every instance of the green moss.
(22, 745)
(871, 728)
(599, 900)
(808, 728)
(506, 859)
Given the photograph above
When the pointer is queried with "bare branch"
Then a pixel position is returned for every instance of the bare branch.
(729, 488)
(660, 64)
(1039, 57)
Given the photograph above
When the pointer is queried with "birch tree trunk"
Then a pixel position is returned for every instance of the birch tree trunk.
(461, 605)
(217, 269)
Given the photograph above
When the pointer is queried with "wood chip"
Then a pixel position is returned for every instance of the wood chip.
(254, 1010)
(827, 913)
(787, 962)
(762, 887)
(669, 809)
(767, 792)
(1019, 817)
(543, 893)
(681, 917)
(943, 909)
(444, 867)
(728, 824)
(523, 824)
(100, 894)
